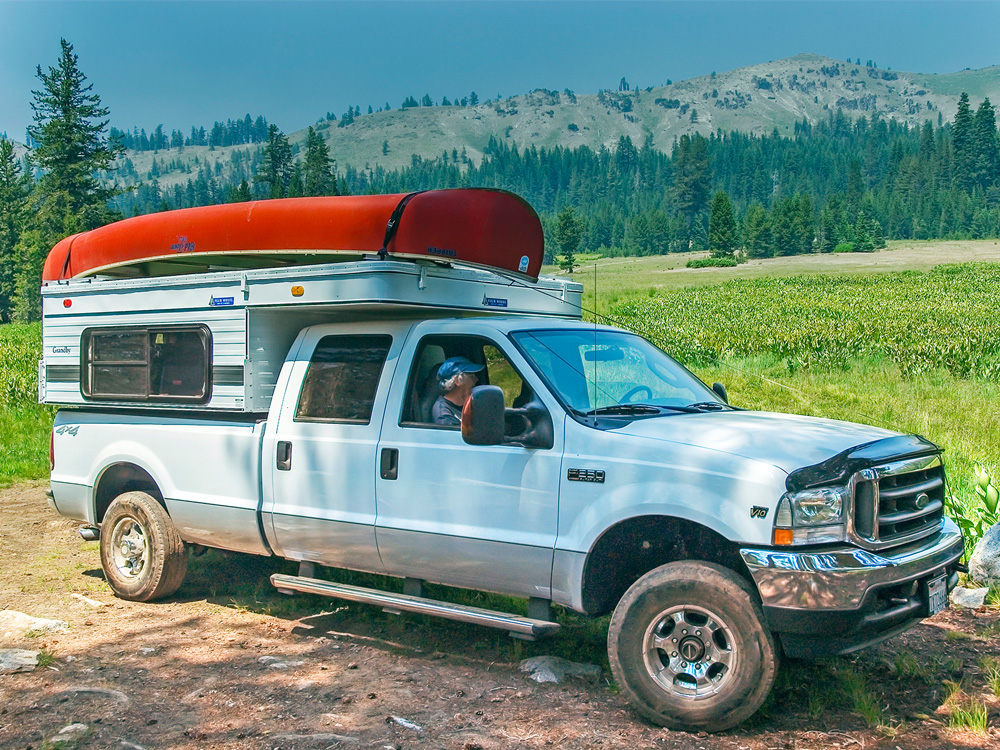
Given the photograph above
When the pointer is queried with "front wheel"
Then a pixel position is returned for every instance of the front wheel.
(142, 554)
(688, 648)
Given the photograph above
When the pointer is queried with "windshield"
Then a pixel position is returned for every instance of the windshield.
(602, 371)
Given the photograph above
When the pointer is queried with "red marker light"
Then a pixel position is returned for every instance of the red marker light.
(67, 303)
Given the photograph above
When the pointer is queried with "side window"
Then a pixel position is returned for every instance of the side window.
(423, 388)
(342, 379)
(147, 364)
(502, 373)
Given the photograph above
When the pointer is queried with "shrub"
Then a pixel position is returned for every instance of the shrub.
(976, 520)
(726, 262)
(844, 247)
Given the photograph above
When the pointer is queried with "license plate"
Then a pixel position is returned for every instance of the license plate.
(937, 594)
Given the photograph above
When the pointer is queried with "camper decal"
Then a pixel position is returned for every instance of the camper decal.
(221, 301)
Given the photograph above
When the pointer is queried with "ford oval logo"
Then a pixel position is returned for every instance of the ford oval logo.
(922, 500)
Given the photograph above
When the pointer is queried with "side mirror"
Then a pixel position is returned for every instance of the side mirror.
(720, 391)
(483, 416)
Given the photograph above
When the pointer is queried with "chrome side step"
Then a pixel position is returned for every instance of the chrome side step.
(519, 627)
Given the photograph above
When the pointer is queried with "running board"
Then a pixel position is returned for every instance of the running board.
(519, 627)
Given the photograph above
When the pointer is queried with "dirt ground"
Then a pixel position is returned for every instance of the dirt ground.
(227, 663)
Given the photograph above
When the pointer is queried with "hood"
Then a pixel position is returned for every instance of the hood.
(787, 441)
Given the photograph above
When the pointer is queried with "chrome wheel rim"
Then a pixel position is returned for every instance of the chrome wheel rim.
(690, 652)
(129, 548)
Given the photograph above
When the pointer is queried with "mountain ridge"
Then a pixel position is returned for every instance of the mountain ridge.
(760, 98)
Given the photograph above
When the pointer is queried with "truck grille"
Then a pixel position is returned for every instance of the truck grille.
(898, 502)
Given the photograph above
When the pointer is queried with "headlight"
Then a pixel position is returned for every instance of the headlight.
(811, 516)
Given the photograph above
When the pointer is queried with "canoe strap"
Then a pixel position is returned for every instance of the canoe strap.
(65, 267)
(393, 224)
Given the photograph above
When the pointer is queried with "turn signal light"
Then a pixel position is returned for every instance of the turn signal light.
(783, 536)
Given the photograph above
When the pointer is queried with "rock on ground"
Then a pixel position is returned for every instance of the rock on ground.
(17, 660)
(15, 625)
(984, 565)
(969, 598)
(556, 669)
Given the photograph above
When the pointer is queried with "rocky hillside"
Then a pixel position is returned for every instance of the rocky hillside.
(760, 98)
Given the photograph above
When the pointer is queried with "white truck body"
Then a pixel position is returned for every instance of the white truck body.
(587, 506)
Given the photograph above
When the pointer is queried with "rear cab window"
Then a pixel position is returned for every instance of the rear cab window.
(342, 379)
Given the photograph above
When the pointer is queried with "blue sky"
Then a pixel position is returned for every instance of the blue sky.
(186, 63)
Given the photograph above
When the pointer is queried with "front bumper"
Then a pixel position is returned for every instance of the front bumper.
(834, 601)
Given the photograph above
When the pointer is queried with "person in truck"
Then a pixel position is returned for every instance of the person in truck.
(457, 377)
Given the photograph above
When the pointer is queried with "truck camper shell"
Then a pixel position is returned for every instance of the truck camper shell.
(216, 340)
(247, 322)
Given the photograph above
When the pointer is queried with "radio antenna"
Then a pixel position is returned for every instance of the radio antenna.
(596, 388)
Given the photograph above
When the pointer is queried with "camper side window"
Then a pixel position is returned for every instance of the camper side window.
(147, 364)
(342, 379)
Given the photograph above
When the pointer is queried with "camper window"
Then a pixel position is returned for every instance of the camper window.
(147, 364)
(342, 379)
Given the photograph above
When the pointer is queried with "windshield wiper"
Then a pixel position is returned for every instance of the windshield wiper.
(709, 406)
(639, 409)
(625, 409)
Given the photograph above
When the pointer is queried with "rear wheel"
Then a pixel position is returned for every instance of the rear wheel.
(141, 552)
(688, 648)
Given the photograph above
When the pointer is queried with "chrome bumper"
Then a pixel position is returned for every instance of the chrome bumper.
(840, 578)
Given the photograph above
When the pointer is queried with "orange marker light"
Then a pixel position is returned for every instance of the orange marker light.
(783, 536)
(298, 291)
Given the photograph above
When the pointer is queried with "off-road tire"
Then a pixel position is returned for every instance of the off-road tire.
(141, 552)
(722, 623)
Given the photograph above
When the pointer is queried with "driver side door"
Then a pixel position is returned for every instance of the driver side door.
(479, 517)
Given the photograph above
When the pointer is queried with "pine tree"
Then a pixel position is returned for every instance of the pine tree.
(69, 133)
(863, 241)
(691, 176)
(698, 235)
(276, 171)
(723, 237)
(70, 148)
(318, 171)
(987, 148)
(757, 232)
(13, 204)
(569, 232)
(240, 193)
(828, 230)
(878, 238)
(963, 143)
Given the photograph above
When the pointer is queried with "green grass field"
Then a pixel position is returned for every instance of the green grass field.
(24, 424)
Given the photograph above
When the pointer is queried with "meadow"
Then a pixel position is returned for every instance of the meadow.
(24, 423)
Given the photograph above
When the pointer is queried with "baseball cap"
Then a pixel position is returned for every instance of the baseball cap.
(454, 365)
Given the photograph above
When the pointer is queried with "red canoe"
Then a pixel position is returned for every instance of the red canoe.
(488, 228)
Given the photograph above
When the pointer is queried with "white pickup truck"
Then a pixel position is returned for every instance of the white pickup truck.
(288, 412)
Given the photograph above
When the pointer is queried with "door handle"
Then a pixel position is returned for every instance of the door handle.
(284, 454)
(389, 463)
